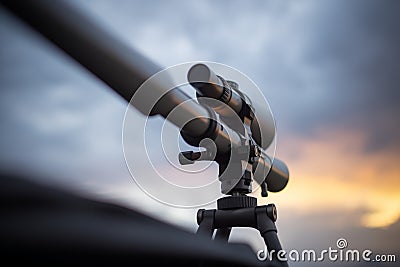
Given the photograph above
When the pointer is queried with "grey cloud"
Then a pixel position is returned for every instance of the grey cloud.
(348, 56)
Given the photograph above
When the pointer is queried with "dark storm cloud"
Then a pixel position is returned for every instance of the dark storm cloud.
(321, 64)
(346, 67)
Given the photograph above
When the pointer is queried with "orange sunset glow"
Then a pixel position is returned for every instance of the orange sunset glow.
(331, 169)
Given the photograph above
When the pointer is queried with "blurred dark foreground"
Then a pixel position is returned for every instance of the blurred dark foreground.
(48, 226)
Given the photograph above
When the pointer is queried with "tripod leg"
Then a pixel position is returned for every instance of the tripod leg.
(205, 219)
(223, 234)
(268, 231)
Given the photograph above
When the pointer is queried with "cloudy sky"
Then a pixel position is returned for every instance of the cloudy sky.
(329, 69)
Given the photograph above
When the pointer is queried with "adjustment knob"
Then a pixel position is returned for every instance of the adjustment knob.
(272, 212)
(236, 202)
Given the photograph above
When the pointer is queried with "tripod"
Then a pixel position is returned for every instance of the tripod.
(238, 209)
(237, 165)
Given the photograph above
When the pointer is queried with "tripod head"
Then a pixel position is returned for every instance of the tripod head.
(243, 160)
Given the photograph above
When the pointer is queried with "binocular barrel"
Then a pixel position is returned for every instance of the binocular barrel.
(208, 84)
